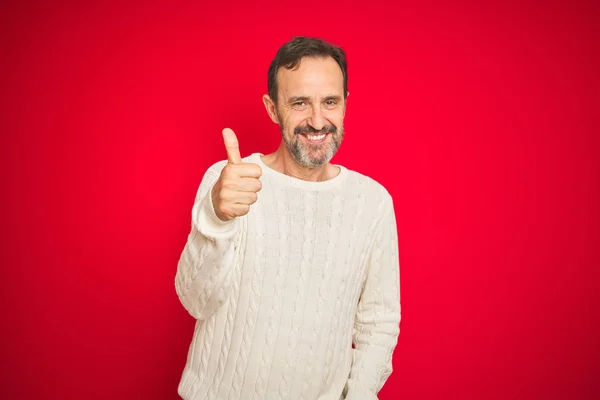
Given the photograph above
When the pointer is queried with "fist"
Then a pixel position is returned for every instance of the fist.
(238, 186)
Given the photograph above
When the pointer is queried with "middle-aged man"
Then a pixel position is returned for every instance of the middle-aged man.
(291, 267)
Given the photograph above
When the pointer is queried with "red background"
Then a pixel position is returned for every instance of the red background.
(481, 120)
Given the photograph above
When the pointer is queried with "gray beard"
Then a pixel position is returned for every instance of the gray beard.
(302, 153)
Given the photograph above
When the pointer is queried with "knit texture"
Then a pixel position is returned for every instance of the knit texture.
(283, 293)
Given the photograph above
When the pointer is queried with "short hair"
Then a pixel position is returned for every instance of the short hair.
(291, 54)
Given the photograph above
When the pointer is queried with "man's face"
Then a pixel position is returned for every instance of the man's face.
(310, 110)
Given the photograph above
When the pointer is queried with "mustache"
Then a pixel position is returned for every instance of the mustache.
(309, 129)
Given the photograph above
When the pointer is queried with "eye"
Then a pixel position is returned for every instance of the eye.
(331, 103)
(299, 105)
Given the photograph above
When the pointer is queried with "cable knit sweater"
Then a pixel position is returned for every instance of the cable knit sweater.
(298, 299)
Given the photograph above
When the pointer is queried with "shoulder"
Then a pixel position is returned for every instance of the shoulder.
(369, 192)
(216, 168)
(369, 186)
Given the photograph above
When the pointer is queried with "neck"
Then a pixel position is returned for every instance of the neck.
(282, 161)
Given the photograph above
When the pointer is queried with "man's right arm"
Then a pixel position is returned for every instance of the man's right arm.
(205, 267)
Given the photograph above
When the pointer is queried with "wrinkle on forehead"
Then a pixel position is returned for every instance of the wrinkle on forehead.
(314, 78)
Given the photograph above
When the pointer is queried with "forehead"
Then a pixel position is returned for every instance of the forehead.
(312, 76)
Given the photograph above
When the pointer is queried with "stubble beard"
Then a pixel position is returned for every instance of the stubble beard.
(313, 155)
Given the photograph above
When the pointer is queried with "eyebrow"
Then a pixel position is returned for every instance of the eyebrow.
(307, 99)
(298, 98)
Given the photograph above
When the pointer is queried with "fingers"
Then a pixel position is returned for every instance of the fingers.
(231, 211)
(238, 186)
(232, 146)
(249, 185)
(231, 197)
(243, 184)
(240, 209)
(246, 198)
(245, 170)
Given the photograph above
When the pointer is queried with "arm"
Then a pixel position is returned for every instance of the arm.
(213, 248)
(207, 259)
(376, 326)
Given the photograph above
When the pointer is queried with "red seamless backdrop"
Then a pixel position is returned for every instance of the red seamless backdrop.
(481, 119)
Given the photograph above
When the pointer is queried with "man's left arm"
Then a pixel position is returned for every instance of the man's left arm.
(377, 322)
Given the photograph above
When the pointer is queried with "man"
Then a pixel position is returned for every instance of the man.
(291, 267)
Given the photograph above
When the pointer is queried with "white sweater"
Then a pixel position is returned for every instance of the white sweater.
(281, 294)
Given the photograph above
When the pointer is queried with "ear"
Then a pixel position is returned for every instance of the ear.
(271, 108)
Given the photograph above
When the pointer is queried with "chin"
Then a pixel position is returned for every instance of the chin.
(311, 155)
(315, 162)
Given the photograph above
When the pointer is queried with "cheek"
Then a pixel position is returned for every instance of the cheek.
(291, 121)
(336, 117)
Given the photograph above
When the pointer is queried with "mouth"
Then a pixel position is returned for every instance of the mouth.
(315, 138)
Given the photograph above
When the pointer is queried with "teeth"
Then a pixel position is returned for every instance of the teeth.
(316, 137)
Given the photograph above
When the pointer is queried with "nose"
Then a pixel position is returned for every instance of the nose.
(316, 119)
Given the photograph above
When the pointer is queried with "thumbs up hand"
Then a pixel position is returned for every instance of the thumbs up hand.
(237, 187)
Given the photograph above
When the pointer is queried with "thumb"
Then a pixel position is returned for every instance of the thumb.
(232, 146)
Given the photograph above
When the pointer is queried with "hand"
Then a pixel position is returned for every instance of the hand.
(237, 187)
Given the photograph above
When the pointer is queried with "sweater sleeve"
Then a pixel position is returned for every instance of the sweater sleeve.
(205, 267)
(377, 322)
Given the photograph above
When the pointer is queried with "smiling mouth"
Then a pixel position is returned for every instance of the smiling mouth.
(315, 138)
